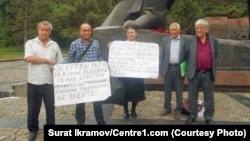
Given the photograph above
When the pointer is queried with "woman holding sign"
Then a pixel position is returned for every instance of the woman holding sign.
(133, 87)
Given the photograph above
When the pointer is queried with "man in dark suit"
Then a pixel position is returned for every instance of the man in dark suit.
(201, 56)
(172, 54)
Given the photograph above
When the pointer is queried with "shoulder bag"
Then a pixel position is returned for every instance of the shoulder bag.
(86, 50)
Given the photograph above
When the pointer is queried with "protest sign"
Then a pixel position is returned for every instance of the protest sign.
(134, 59)
(81, 82)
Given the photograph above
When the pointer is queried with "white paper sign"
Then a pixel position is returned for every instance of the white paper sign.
(134, 59)
(81, 82)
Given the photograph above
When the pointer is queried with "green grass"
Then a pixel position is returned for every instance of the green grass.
(11, 52)
(18, 52)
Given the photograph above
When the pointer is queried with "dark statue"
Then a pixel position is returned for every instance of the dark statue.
(141, 14)
(152, 14)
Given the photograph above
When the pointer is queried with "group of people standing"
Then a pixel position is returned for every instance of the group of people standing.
(200, 52)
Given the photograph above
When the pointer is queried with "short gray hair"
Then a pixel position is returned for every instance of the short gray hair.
(202, 22)
(44, 23)
(176, 24)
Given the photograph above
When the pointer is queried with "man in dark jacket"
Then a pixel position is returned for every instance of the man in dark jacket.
(201, 56)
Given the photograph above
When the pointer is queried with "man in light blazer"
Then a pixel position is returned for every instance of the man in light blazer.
(172, 54)
(201, 56)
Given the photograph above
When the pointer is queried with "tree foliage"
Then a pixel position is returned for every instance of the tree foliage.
(186, 12)
(22, 17)
(19, 18)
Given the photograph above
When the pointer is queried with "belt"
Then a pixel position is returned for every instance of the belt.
(203, 71)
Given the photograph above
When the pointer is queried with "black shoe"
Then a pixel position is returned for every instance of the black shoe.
(133, 115)
(209, 122)
(190, 121)
(126, 116)
(32, 136)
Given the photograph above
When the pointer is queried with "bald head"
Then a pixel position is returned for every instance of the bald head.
(85, 25)
(85, 32)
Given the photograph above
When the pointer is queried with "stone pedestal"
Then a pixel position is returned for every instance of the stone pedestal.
(233, 55)
(232, 62)
(20, 89)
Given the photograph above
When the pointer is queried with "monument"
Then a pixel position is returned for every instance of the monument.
(141, 14)
(233, 60)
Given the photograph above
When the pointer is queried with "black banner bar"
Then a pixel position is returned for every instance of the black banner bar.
(174, 132)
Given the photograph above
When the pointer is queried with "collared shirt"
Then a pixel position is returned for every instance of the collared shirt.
(40, 73)
(77, 48)
(204, 55)
(175, 51)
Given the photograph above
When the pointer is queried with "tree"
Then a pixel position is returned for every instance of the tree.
(188, 11)
(68, 15)
(4, 37)
(23, 15)
(22, 18)
(19, 18)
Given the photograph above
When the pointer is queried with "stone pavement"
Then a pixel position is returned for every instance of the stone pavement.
(13, 112)
(231, 108)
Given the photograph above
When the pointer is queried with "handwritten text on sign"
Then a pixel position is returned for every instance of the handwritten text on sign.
(134, 59)
(81, 82)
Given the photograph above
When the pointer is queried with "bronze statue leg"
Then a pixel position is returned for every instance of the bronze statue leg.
(154, 16)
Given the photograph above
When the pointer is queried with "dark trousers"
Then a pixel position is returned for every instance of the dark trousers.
(36, 94)
(173, 81)
(133, 107)
(204, 81)
(80, 112)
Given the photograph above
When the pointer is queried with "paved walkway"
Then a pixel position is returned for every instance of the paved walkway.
(231, 108)
(13, 112)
